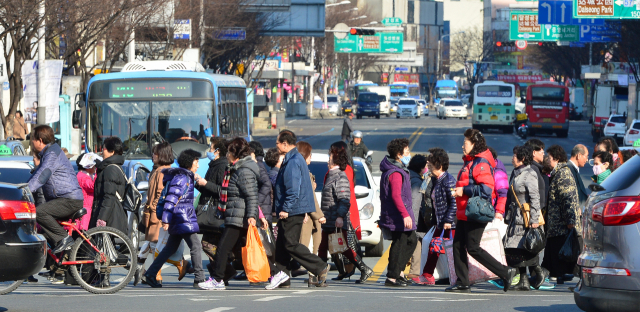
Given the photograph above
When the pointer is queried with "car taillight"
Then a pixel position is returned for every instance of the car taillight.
(17, 210)
(611, 125)
(634, 132)
(606, 271)
(623, 210)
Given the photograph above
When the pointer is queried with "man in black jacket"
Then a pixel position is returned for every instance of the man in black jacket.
(579, 157)
(347, 128)
(536, 165)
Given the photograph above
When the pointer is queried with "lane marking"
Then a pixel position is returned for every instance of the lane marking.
(270, 298)
(220, 309)
(381, 265)
(202, 299)
(414, 133)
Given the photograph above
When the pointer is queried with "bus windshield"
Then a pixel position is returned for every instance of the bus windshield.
(414, 91)
(447, 92)
(547, 93)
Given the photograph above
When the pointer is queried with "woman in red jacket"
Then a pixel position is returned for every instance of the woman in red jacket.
(475, 179)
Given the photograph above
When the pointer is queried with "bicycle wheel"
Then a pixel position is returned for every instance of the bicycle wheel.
(114, 262)
(9, 286)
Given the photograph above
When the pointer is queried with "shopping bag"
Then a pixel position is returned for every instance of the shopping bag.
(436, 244)
(337, 243)
(163, 237)
(570, 251)
(442, 268)
(492, 243)
(268, 241)
(498, 225)
(254, 258)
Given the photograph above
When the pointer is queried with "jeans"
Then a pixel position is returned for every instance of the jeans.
(288, 246)
(172, 246)
(467, 239)
(402, 246)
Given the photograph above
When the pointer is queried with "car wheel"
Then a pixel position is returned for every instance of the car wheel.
(377, 116)
(9, 286)
(375, 251)
(397, 116)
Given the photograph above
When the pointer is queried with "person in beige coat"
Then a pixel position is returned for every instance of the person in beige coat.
(311, 228)
(19, 127)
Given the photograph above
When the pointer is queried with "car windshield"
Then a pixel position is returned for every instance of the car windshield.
(382, 98)
(369, 97)
(636, 125)
(422, 102)
(453, 103)
(407, 102)
(319, 170)
(15, 175)
(332, 99)
(181, 123)
(618, 119)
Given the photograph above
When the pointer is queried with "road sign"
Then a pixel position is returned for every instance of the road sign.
(392, 21)
(524, 26)
(613, 9)
(521, 44)
(181, 29)
(230, 34)
(608, 33)
(378, 43)
(344, 30)
(402, 69)
(561, 13)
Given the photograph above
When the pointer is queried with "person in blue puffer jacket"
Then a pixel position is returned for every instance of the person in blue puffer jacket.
(179, 218)
(60, 187)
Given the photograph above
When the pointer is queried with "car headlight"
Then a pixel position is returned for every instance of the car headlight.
(366, 212)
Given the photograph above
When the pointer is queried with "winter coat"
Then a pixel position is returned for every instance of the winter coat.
(242, 193)
(19, 128)
(392, 216)
(425, 217)
(347, 128)
(562, 208)
(178, 209)
(293, 191)
(265, 190)
(336, 196)
(583, 193)
(445, 206)
(524, 182)
(153, 195)
(55, 175)
(416, 197)
(87, 184)
(273, 175)
(501, 187)
(106, 206)
(543, 185)
(479, 183)
(359, 150)
(601, 177)
(354, 212)
(214, 177)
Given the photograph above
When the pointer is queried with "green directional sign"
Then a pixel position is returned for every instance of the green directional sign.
(378, 43)
(613, 9)
(524, 26)
(392, 21)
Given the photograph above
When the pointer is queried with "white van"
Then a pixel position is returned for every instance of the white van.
(384, 95)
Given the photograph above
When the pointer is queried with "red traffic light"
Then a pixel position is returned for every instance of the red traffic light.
(353, 31)
(362, 32)
(540, 43)
(498, 44)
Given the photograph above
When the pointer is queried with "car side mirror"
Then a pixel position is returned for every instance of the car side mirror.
(362, 191)
(224, 125)
(143, 185)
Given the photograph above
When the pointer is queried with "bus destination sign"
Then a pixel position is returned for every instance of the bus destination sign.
(150, 89)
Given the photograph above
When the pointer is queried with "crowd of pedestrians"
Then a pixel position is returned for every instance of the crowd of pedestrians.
(246, 186)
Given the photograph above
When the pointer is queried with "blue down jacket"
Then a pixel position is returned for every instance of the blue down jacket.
(178, 206)
(55, 175)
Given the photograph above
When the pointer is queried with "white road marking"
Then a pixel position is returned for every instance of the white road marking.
(202, 299)
(453, 300)
(270, 298)
(302, 292)
(220, 309)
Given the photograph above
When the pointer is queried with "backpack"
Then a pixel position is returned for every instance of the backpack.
(132, 197)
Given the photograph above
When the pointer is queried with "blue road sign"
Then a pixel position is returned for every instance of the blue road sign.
(230, 34)
(560, 12)
(607, 33)
(402, 68)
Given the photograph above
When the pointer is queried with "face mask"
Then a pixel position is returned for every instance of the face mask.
(597, 170)
(405, 160)
(211, 156)
(425, 171)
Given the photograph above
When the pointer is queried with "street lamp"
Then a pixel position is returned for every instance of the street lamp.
(349, 10)
(339, 3)
(359, 17)
(440, 51)
(372, 23)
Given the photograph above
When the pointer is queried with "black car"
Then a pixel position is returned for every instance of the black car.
(347, 107)
(22, 250)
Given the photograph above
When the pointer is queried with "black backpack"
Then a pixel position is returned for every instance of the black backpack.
(132, 197)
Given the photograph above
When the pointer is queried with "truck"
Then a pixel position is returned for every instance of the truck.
(384, 96)
(608, 99)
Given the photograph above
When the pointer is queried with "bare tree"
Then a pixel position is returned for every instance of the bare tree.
(471, 49)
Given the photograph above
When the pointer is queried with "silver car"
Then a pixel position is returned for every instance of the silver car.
(333, 104)
(610, 260)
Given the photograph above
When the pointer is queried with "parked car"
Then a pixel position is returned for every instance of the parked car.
(367, 196)
(408, 108)
(368, 105)
(333, 103)
(22, 250)
(347, 107)
(465, 99)
(17, 148)
(610, 260)
(452, 109)
(633, 133)
(425, 107)
(615, 127)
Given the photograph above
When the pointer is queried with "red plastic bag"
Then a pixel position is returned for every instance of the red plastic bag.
(254, 258)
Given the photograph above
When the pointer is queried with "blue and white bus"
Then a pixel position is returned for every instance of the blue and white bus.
(446, 89)
(404, 89)
(360, 86)
(163, 101)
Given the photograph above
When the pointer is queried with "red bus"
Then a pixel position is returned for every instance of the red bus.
(548, 109)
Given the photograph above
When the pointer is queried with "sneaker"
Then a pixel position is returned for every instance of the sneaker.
(210, 284)
(56, 280)
(276, 280)
(424, 280)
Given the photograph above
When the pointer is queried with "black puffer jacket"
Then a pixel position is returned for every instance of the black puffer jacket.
(106, 205)
(336, 198)
(265, 189)
(214, 177)
(242, 193)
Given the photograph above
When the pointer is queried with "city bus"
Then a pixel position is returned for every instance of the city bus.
(360, 86)
(163, 101)
(446, 89)
(404, 89)
(494, 106)
(548, 108)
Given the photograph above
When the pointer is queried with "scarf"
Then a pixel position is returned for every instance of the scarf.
(224, 188)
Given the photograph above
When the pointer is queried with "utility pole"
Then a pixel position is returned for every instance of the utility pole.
(42, 96)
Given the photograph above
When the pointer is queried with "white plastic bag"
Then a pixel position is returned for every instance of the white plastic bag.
(442, 268)
(163, 237)
(498, 225)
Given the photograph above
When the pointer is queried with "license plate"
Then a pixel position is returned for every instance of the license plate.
(546, 120)
(347, 110)
(494, 117)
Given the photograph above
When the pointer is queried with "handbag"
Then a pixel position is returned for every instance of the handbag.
(337, 243)
(526, 211)
(208, 217)
(479, 210)
(534, 240)
(437, 243)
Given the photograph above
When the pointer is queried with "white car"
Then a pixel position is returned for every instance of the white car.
(633, 133)
(452, 109)
(615, 127)
(409, 108)
(333, 103)
(367, 196)
(425, 107)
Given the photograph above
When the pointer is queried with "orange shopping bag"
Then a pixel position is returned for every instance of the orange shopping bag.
(254, 258)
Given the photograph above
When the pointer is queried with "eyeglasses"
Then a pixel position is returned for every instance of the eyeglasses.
(591, 162)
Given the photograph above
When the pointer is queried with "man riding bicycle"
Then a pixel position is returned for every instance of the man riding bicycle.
(60, 187)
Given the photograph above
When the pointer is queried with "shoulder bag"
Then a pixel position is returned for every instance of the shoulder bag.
(479, 209)
(208, 217)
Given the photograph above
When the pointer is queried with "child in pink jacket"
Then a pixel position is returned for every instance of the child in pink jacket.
(86, 178)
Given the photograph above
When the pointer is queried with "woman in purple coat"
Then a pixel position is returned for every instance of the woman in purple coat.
(179, 218)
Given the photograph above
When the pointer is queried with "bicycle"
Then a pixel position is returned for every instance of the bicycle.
(102, 260)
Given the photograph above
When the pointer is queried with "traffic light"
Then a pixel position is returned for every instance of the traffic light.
(547, 44)
(505, 44)
(508, 63)
(362, 32)
(498, 44)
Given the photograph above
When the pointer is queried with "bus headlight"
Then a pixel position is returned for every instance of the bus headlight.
(366, 212)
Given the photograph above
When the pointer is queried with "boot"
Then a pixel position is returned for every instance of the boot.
(523, 285)
(312, 281)
(540, 276)
(365, 270)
